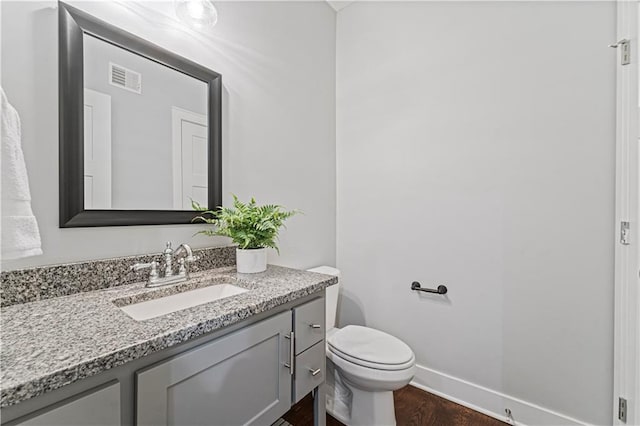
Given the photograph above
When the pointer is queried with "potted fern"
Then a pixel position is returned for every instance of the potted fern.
(252, 227)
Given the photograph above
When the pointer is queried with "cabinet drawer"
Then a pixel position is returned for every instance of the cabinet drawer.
(309, 324)
(310, 370)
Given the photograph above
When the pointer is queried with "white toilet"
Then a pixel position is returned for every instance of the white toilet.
(364, 367)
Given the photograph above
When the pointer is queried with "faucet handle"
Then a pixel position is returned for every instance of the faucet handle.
(152, 266)
(140, 266)
(183, 269)
(168, 249)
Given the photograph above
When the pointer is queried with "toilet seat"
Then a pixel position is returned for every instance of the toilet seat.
(370, 348)
(372, 365)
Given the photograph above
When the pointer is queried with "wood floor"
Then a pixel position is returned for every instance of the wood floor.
(414, 407)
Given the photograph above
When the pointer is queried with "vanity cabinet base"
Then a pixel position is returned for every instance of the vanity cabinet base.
(235, 380)
(233, 376)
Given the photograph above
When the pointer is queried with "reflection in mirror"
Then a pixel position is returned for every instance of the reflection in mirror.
(145, 132)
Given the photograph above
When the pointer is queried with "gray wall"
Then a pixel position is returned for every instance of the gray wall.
(475, 147)
(141, 138)
(277, 60)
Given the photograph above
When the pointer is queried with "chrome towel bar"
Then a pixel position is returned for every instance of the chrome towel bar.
(440, 290)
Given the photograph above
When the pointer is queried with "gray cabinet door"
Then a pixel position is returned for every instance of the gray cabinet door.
(99, 407)
(239, 379)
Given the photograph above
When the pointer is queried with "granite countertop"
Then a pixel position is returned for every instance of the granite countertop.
(51, 343)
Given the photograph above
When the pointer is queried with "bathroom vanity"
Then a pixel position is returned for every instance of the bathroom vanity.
(241, 359)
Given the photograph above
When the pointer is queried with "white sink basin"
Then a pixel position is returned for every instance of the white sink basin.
(177, 302)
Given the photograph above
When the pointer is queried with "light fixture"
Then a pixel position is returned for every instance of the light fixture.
(200, 13)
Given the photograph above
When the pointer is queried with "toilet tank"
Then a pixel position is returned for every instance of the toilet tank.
(331, 295)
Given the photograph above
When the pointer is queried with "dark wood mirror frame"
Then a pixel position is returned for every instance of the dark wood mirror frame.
(73, 24)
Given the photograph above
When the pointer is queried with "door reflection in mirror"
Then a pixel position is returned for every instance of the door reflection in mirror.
(145, 129)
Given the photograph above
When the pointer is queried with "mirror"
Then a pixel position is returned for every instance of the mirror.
(139, 129)
(145, 132)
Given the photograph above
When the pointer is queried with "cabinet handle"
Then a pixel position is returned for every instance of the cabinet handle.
(315, 326)
(292, 355)
(314, 372)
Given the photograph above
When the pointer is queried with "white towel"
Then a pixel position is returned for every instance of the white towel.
(20, 235)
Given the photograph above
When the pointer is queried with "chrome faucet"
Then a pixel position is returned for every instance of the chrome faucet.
(155, 280)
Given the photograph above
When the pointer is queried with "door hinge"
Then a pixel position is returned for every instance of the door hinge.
(624, 233)
(622, 410)
(625, 51)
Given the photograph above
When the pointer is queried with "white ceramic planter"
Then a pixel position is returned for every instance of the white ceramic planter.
(251, 261)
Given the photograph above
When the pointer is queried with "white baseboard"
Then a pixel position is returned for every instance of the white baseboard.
(488, 401)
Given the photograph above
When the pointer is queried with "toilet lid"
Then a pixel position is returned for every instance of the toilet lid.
(370, 346)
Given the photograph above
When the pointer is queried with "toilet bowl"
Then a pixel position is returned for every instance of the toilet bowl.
(364, 367)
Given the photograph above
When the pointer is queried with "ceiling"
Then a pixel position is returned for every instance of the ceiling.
(339, 5)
